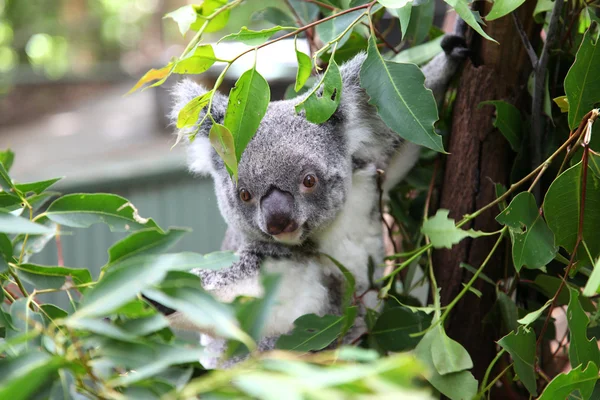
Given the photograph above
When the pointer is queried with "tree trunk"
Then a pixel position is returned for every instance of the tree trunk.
(480, 156)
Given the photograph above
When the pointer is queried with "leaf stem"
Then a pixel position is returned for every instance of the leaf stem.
(475, 276)
(488, 371)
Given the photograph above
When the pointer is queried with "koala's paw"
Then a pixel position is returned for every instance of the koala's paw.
(455, 46)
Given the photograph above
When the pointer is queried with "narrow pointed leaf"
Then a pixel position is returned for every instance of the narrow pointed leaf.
(197, 61)
(462, 9)
(248, 102)
(593, 283)
(190, 113)
(304, 69)
(402, 101)
(222, 141)
(508, 121)
(311, 333)
(582, 83)
(14, 225)
(146, 241)
(254, 38)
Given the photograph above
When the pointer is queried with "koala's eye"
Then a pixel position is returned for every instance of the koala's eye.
(245, 195)
(309, 181)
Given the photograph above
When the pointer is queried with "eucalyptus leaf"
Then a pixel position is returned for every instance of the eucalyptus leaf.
(443, 232)
(20, 377)
(248, 102)
(329, 30)
(190, 113)
(533, 316)
(82, 210)
(311, 333)
(254, 38)
(593, 283)
(508, 121)
(7, 157)
(561, 209)
(500, 8)
(321, 104)
(394, 327)
(184, 17)
(36, 187)
(14, 225)
(145, 241)
(46, 277)
(581, 349)
(223, 142)
(583, 378)
(420, 54)
(402, 101)
(521, 347)
(198, 60)
(304, 68)
(470, 17)
(457, 385)
(447, 354)
(532, 240)
(582, 86)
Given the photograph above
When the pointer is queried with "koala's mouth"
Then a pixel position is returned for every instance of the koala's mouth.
(290, 236)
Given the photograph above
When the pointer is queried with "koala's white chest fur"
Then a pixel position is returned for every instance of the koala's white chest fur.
(356, 233)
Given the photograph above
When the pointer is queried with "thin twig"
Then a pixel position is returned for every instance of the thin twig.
(539, 78)
(525, 40)
(309, 34)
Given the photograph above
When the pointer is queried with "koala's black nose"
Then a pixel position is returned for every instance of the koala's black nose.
(278, 210)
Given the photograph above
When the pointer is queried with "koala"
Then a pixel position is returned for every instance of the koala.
(305, 190)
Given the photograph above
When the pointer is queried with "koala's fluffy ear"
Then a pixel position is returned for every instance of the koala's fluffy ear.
(199, 151)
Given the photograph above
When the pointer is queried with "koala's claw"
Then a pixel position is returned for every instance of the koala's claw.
(455, 46)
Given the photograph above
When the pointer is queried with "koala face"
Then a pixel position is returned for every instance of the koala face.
(293, 178)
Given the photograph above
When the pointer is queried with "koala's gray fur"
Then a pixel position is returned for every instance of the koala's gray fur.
(340, 218)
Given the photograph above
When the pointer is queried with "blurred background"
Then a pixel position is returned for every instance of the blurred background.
(65, 66)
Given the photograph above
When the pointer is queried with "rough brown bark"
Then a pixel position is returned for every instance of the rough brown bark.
(479, 156)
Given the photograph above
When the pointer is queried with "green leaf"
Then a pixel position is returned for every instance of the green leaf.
(329, 30)
(448, 355)
(207, 8)
(421, 20)
(124, 281)
(500, 8)
(184, 17)
(222, 141)
(46, 277)
(145, 241)
(53, 312)
(457, 385)
(563, 103)
(254, 38)
(36, 187)
(508, 121)
(307, 12)
(521, 347)
(320, 105)
(561, 209)
(402, 101)
(349, 286)
(154, 74)
(202, 310)
(394, 327)
(533, 316)
(593, 283)
(82, 210)
(7, 157)
(35, 243)
(190, 113)
(470, 17)
(304, 69)
(275, 16)
(253, 315)
(146, 325)
(394, 3)
(508, 311)
(532, 240)
(582, 85)
(6, 183)
(100, 327)
(403, 15)
(14, 225)
(248, 102)
(581, 349)
(443, 232)
(201, 58)
(542, 6)
(420, 54)
(21, 377)
(579, 379)
(311, 333)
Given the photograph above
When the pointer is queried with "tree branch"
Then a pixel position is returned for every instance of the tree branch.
(525, 40)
